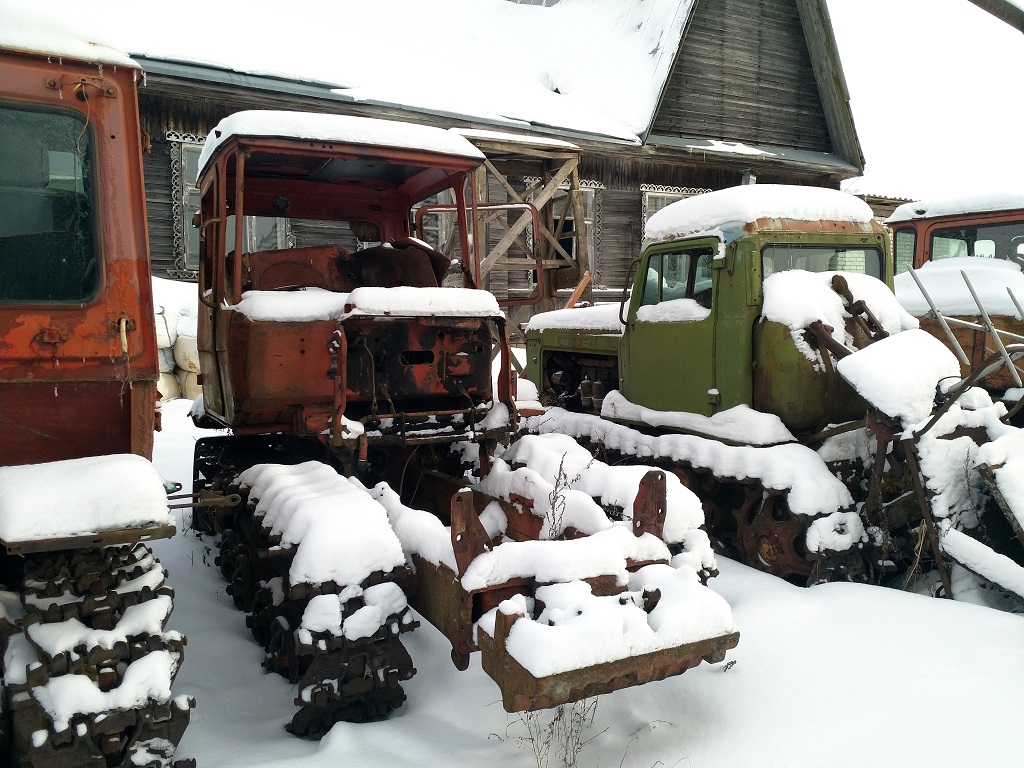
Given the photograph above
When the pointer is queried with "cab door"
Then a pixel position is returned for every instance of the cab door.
(670, 330)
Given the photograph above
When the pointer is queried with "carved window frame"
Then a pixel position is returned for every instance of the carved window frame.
(651, 192)
(180, 188)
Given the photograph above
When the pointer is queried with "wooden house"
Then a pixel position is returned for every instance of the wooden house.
(753, 91)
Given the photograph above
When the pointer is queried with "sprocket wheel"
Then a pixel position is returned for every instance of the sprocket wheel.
(770, 537)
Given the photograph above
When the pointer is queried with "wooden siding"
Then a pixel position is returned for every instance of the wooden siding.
(744, 74)
(156, 168)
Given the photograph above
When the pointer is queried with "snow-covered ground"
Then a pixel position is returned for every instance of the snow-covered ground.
(835, 675)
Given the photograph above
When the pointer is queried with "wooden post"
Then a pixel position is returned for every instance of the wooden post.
(580, 226)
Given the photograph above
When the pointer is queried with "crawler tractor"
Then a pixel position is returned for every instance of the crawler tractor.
(762, 357)
(958, 269)
(357, 385)
(87, 664)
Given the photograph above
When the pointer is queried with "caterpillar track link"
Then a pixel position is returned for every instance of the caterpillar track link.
(88, 663)
(353, 679)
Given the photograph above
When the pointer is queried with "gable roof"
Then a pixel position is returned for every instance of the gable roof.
(760, 79)
(578, 68)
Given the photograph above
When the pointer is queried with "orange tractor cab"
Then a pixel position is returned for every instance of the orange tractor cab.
(78, 373)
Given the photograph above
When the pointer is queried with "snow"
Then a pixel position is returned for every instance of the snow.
(812, 490)
(145, 618)
(311, 304)
(324, 613)
(609, 86)
(992, 279)
(973, 554)
(304, 305)
(797, 298)
(951, 206)
(599, 317)
(578, 629)
(673, 311)
(516, 138)
(709, 213)
(73, 497)
(417, 302)
(1005, 457)
(740, 424)
(338, 533)
(35, 29)
(345, 129)
(899, 374)
(146, 679)
(886, 651)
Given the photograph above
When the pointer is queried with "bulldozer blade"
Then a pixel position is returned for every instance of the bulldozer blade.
(522, 691)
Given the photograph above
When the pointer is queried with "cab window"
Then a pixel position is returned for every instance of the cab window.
(48, 250)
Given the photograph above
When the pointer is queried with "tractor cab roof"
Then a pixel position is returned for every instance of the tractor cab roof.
(362, 135)
(730, 213)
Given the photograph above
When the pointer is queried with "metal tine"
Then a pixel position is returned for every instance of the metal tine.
(992, 330)
(1016, 303)
(942, 320)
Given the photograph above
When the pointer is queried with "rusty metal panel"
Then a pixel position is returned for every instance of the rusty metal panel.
(520, 690)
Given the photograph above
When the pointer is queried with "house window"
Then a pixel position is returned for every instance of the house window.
(657, 197)
(185, 150)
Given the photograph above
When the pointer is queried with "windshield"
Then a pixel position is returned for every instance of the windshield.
(821, 258)
(992, 241)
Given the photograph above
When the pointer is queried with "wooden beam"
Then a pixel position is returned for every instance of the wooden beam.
(579, 215)
(542, 199)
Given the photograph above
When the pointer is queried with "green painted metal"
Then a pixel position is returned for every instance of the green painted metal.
(731, 357)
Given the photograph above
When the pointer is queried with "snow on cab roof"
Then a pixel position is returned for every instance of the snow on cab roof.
(32, 29)
(710, 212)
(951, 206)
(370, 131)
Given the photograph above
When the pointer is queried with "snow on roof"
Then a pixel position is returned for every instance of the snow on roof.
(709, 212)
(604, 79)
(516, 138)
(348, 129)
(951, 206)
(992, 279)
(37, 28)
(80, 496)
